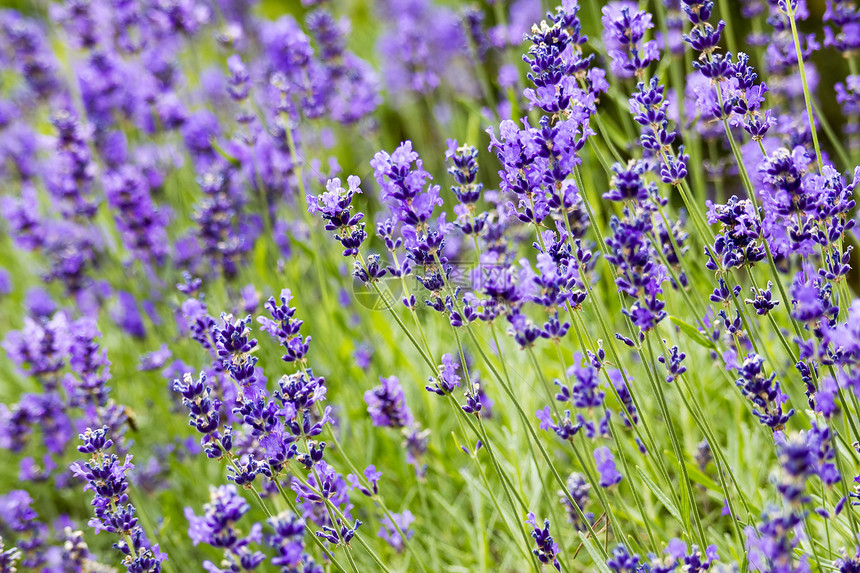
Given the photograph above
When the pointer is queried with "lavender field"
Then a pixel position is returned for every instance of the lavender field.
(312, 286)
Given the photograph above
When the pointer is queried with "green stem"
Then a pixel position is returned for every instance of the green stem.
(676, 446)
(806, 95)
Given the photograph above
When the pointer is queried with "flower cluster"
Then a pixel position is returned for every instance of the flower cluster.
(199, 144)
(106, 477)
(217, 527)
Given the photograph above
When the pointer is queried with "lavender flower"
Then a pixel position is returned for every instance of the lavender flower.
(389, 533)
(764, 392)
(416, 58)
(387, 406)
(18, 516)
(578, 488)
(464, 169)
(9, 558)
(204, 414)
(217, 527)
(142, 224)
(609, 476)
(772, 542)
(692, 560)
(738, 243)
(673, 363)
(403, 186)
(624, 29)
(621, 561)
(416, 440)
(283, 327)
(288, 542)
(763, 302)
(234, 348)
(547, 549)
(106, 478)
(334, 206)
(448, 378)
(810, 300)
(640, 276)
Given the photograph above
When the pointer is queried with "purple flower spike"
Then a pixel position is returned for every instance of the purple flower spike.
(624, 28)
(547, 549)
(334, 207)
(106, 478)
(389, 533)
(387, 406)
(609, 475)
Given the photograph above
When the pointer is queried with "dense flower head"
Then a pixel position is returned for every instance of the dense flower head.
(844, 341)
(18, 517)
(204, 413)
(288, 541)
(138, 218)
(585, 392)
(704, 37)
(624, 28)
(313, 76)
(557, 63)
(386, 404)
(639, 275)
(763, 301)
(622, 561)
(609, 475)
(225, 232)
(811, 300)
(283, 327)
(547, 549)
(42, 347)
(578, 489)
(463, 167)
(106, 477)
(764, 392)
(217, 527)
(739, 241)
(25, 39)
(403, 181)
(627, 183)
(334, 207)
(234, 347)
(773, 542)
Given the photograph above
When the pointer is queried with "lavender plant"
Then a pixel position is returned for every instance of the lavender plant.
(421, 286)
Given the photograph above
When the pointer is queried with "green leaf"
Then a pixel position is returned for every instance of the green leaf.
(697, 476)
(594, 553)
(693, 333)
(664, 499)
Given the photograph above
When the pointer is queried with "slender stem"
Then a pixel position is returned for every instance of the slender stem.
(298, 168)
(508, 388)
(486, 441)
(406, 541)
(726, 14)
(645, 520)
(807, 97)
(295, 509)
(607, 507)
(673, 437)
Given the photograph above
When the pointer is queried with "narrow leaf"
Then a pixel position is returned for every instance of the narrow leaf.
(692, 332)
(664, 499)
